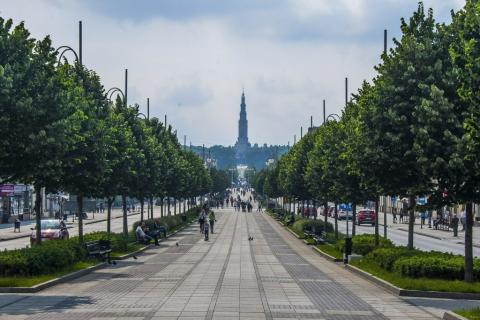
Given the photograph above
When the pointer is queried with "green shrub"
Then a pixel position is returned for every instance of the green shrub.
(50, 257)
(385, 257)
(364, 244)
(301, 224)
(435, 265)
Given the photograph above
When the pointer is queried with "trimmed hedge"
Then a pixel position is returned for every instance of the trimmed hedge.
(386, 257)
(435, 265)
(364, 244)
(50, 257)
(300, 225)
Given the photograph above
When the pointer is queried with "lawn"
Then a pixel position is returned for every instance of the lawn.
(473, 314)
(425, 284)
(31, 281)
(330, 250)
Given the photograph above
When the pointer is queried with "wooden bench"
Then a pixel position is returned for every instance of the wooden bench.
(441, 224)
(99, 249)
(318, 235)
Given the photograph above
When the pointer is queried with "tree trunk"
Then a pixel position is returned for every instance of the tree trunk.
(184, 205)
(325, 212)
(168, 206)
(151, 207)
(377, 236)
(174, 206)
(80, 217)
(125, 222)
(354, 218)
(109, 214)
(314, 209)
(161, 208)
(336, 222)
(468, 243)
(38, 214)
(141, 209)
(411, 221)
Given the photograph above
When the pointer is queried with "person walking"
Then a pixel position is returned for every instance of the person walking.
(423, 216)
(455, 225)
(211, 219)
(202, 218)
(205, 231)
(394, 213)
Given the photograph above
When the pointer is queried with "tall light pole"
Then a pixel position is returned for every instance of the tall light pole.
(324, 110)
(148, 108)
(384, 209)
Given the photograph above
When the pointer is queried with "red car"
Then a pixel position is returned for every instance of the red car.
(366, 216)
(51, 230)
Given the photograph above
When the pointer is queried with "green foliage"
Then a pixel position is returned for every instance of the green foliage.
(386, 257)
(170, 222)
(364, 244)
(300, 225)
(435, 265)
(50, 257)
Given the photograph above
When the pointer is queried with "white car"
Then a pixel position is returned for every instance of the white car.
(343, 214)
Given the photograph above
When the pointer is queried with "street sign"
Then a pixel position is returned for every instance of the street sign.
(422, 200)
(7, 189)
(345, 206)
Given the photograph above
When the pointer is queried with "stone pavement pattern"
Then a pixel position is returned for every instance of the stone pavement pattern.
(229, 277)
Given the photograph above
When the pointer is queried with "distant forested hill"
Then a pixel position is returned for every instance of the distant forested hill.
(256, 155)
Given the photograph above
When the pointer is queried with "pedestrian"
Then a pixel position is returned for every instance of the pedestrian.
(423, 216)
(211, 219)
(201, 218)
(205, 231)
(463, 219)
(455, 225)
(401, 215)
(429, 216)
(394, 213)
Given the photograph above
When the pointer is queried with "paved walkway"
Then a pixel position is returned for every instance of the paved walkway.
(274, 276)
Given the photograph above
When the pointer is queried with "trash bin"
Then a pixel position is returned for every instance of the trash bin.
(184, 217)
(348, 248)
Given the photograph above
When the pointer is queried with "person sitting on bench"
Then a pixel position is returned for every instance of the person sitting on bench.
(142, 236)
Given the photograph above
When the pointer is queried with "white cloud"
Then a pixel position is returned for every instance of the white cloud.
(194, 68)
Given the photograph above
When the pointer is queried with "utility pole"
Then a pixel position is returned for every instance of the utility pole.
(294, 139)
(311, 122)
(184, 142)
(80, 43)
(301, 132)
(384, 209)
(148, 108)
(324, 111)
(126, 88)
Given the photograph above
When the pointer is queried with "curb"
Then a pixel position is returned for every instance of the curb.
(450, 315)
(326, 255)
(293, 232)
(80, 273)
(412, 293)
(53, 282)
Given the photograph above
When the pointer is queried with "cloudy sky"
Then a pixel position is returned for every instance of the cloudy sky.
(193, 57)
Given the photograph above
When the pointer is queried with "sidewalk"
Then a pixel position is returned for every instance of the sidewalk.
(6, 229)
(430, 232)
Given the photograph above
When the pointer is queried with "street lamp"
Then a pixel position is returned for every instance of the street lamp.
(333, 117)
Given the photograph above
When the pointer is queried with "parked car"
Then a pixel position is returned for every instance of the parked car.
(343, 214)
(366, 216)
(51, 230)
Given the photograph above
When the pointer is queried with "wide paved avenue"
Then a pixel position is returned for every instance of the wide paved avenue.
(274, 276)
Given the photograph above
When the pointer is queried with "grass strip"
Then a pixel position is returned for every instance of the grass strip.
(472, 314)
(330, 250)
(424, 284)
(34, 280)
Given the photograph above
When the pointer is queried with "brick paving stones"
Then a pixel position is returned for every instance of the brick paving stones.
(273, 276)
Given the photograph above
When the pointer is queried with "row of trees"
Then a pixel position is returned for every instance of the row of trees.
(412, 131)
(59, 131)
